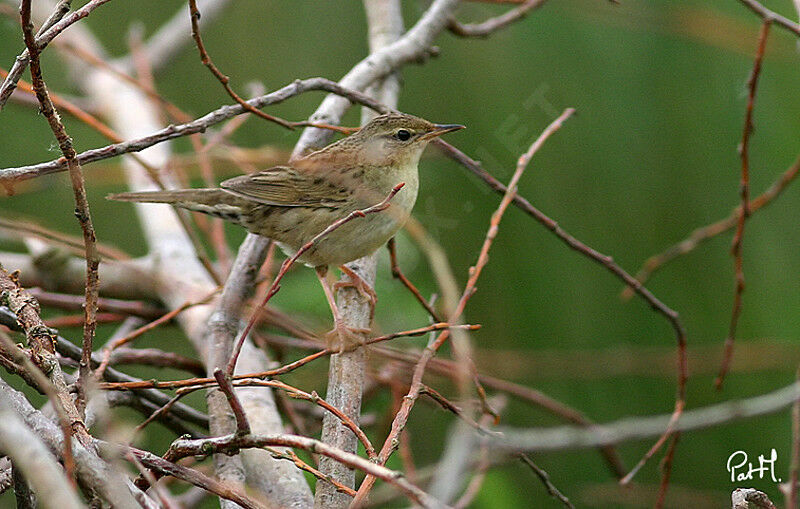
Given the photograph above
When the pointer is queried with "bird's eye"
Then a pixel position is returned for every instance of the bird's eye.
(403, 135)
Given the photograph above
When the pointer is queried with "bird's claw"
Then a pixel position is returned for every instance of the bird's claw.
(343, 338)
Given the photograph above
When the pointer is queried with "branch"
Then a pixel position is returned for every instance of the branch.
(744, 209)
(545, 478)
(770, 16)
(9, 176)
(710, 231)
(606, 261)
(494, 24)
(54, 25)
(81, 202)
(346, 372)
(233, 443)
(194, 14)
(571, 437)
(38, 465)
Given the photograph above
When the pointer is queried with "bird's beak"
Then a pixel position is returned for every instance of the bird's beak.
(440, 129)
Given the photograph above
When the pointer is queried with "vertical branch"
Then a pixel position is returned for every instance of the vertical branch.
(347, 370)
(744, 210)
(81, 203)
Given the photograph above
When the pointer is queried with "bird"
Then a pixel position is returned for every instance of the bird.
(293, 203)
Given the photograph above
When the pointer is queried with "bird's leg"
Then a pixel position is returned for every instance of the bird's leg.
(341, 337)
(359, 284)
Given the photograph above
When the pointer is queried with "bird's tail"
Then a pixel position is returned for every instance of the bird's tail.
(216, 202)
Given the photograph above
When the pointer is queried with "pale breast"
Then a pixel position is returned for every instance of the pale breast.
(293, 227)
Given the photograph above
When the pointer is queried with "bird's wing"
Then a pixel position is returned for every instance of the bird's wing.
(284, 186)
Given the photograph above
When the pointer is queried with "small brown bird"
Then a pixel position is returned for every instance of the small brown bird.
(291, 204)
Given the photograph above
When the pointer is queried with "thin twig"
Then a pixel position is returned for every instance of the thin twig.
(242, 426)
(744, 209)
(771, 16)
(9, 176)
(397, 273)
(710, 231)
(666, 471)
(81, 203)
(177, 384)
(194, 14)
(608, 263)
(545, 478)
(492, 25)
(302, 465)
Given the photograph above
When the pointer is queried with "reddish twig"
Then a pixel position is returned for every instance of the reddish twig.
(402, 416)
(302, 465)
(744, 209)
(71, 302)
(177, 384)
(242, 426)
(452, 407)
(608, 263)
(194, 14)
(109, 349)
(61, 322)
(290, 261)
(666, 471)
(162, 410)
(710, 231)
(398, 274)
(25, 228)
(157, 358)
(81, 203)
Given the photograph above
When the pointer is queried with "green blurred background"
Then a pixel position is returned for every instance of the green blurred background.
(660, 91)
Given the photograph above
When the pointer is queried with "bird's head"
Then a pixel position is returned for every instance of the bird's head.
(396, 139)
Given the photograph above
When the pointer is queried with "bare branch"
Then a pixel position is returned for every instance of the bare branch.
(489, 26)
(38, 465)
(744, 209)
(232, 443)
(570, 437)
(10, 175)
(81, 202)
(545, 478)
(768, 15)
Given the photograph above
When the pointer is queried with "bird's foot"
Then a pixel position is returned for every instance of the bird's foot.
(359, 284)
(343, 338)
